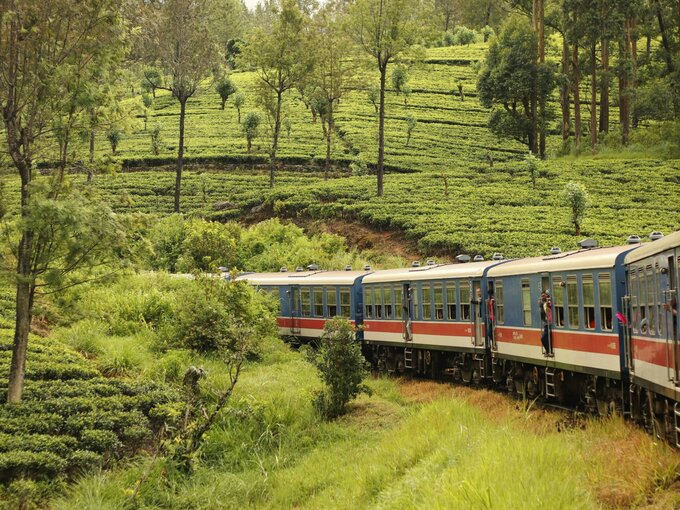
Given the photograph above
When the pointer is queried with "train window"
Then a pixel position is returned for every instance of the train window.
(465, 302)
(558, 302)
(332, 301)
(651, 301)
(295, 298)
(398, 306)
(604, 282)
(318, 301)
(572, 301)
(345, 302)
(633, 292)
(526, 302)
(377, 302)
(274, 292)
(438, 302)
(642, 301)
(500, 303)
(306, 299)
(414, 297)
(451, 301)
(659, 305)
(388, 302)
(588, 286)
(427, 302)
(368, 303)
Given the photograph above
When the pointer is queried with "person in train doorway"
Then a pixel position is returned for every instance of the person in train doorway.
(490, 318)
(545, 305)
(672, 307)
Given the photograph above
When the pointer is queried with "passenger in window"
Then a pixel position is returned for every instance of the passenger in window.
(545, 306)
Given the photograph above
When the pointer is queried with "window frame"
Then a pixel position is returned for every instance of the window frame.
(572, 281)
(527, 309)
(499, 298)
(451, 286)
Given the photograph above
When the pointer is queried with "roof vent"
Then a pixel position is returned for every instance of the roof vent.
(283, 270)
(313, 267)
(223, 269)
(497, 256)
(586, 244)
(298, 269)
(348, 268)
(633, 239)
(431, 263)
(415, 263)
(367, 267)
(655, 236)
(555, 250)
(463, 258)
(478, 258)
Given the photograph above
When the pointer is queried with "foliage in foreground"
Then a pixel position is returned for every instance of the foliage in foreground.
(342, 368)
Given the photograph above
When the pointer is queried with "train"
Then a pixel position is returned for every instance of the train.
(594, 327)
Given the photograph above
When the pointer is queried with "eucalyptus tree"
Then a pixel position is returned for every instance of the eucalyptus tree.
(68, 38)
(178, 40)
(282, 57)
(384, 29)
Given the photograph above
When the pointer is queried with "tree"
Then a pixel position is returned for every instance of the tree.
(411, 124)
(341, 366)
(576, 199)
(399, 78)
(152, 80)
(225, 88)
(373, 96)
(513, 80)
(239, 101)
(67, 38)
(114, 135)
(446, 10)
(250, 126)
(282, 58)
(384, 29)
(178, 41)
(155, 135)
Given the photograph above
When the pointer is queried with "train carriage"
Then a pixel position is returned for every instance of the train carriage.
(429, 320)
(309, 298)
(652, 332)
(565, 344)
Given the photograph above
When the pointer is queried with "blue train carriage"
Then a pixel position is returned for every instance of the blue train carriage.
(555, 331)
(428, 320)
(309, 298)
(653, 333)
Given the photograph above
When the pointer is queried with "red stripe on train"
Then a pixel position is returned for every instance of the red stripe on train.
(581, 342)
(300, 322)
(655, 352)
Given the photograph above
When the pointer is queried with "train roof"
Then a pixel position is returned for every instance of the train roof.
(591, 258)
(437, 272)
(649, 249)
(304, 278)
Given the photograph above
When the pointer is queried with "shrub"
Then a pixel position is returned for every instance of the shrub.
(208, 245)
(464, 36)
(575, 197)
(342, 368)
(250, 127)
(399, 78)
(225, 88)
(114, 135)
(155, 135)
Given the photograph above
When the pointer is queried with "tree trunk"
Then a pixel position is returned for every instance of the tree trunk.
(381, 128)
(668, 56)
(275, 142)
(604, 91)
(625, 80)
(328, 141)
(634, 55)
(223, 102)
(593, 95)
(180, 153)
(578, 130)
(566, 110)
(239, 115)
(24, 299)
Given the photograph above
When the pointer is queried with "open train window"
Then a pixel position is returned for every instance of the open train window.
(558, 301)
(451, 301)
(500, 302)
(388, 302)
(526, 302)
(332, 301)
(317, 298)
(643, 325)
(368, 302)
(572, 301)
(588, 289)
(604, 282)
(416, 309)
(633, 291)
(377, 302)
(438, 302)
(427, 302)
(345, 302)
(651, 298)
(398, 306)
(306, 299)
(465, 302)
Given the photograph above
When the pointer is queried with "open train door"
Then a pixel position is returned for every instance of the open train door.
(476, 319)
(295, 311)
(407, 314)
(670, 300)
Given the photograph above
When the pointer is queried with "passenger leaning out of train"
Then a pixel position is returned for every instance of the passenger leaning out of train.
(672, 306)
(545, 305)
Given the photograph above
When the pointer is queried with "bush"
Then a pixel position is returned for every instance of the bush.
(342, 368)
(208, 245)
(464, 36)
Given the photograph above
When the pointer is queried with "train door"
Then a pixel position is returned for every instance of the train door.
(476, 313)
(670, 300)
(628, 307)
(295, 310)
(407, 312)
